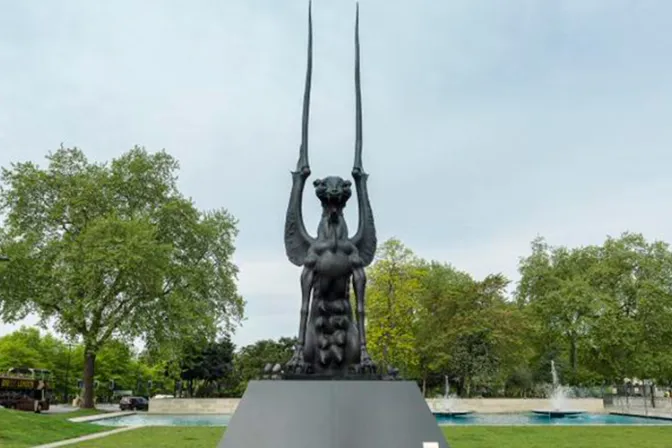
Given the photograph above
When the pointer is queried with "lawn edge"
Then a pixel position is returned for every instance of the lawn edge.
(97, 435)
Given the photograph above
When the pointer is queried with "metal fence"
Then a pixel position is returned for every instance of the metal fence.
(646, 400)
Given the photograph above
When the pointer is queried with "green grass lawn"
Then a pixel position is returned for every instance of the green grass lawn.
(20, 429)
(25, 429)
(458, 437)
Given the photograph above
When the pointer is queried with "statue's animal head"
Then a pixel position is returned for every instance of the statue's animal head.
(333, 192)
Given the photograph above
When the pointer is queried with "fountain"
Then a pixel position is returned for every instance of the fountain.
(449, 408)
(558, 399)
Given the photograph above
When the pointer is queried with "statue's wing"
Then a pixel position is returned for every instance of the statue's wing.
(365, 239)
(297, 239)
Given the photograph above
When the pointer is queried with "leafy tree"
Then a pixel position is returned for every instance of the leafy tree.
(13, 353)
(632, 331)
(468, 330)
(558, 286)
(114, 250)
(392, 305)
(249, 362)
(606, 309)
(116, 362)
(441, 286)
(27, 347)
(210, 363)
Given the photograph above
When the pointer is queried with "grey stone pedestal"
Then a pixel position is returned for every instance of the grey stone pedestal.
(333, 414)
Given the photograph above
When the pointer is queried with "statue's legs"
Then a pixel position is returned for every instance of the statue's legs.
(307, 276)
(359, 283)
(297, 362)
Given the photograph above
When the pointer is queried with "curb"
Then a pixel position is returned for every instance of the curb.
(98, 435)
(101, 416)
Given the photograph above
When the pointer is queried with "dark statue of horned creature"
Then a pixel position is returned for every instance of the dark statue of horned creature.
(329, 341)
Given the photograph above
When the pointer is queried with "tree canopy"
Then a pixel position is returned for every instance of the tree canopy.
(111, 253)
(105, 250)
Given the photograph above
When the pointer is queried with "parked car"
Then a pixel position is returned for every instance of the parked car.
(133, 404)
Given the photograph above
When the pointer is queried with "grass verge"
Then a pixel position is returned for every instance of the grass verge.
(458, 437)
(20, 429)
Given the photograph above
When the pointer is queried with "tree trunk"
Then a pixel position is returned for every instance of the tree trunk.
(89, 370)
(574, 352)
(424, 386)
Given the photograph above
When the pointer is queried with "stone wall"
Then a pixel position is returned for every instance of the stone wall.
(504, 405)
(483, 405)
(193, 405)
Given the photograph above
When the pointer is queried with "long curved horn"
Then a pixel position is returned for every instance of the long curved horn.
(303, 152)
(358, 98)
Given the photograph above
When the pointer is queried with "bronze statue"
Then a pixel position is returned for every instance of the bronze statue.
(329, 341)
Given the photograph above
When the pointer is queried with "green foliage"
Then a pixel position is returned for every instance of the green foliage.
(114, 250)
(250, 360)
(392, 304)
(211, 364)
(468, 330)
(112, 253)
(116, 361)
(26, 347)
(605, 309)
(602, 313)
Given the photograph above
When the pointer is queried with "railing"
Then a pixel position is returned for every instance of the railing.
(640, 404)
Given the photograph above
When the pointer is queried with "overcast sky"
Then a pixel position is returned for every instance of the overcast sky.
(486, 123)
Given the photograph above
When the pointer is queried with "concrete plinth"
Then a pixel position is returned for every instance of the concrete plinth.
(333, 414)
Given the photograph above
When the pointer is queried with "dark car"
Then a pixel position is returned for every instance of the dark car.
(133, 404)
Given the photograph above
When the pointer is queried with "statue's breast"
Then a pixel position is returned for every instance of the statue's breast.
(333, 264)
(326, 245)
(345, 246)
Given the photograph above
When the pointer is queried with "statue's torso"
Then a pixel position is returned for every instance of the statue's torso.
(331, 255)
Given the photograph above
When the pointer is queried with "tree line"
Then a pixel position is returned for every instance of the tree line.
(602, 313)
(111, 253)
(208, 368)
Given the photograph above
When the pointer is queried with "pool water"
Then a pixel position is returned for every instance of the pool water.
(142, 419)
(535, 419)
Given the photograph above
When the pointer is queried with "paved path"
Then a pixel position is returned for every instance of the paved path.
(103, 416)
(65, 408)
(60, 409)
(107, 407)
(89, 437)
(651, 413)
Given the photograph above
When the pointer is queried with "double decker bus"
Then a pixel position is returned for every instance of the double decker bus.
(25, 389)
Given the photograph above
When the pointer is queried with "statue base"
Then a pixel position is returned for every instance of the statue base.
(333, 414)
